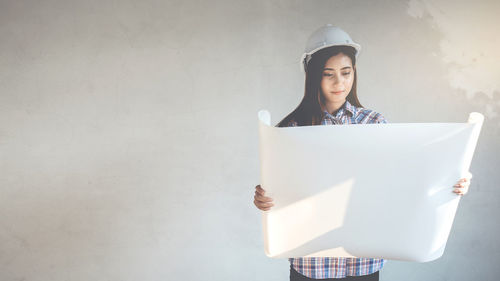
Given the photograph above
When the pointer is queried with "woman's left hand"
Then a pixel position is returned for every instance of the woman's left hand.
(462, 186)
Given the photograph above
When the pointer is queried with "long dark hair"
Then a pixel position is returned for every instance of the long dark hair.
(309, 110)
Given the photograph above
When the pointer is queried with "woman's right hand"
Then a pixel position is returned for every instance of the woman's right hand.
(262, 202)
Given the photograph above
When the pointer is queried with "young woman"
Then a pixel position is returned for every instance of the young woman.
(330, 98)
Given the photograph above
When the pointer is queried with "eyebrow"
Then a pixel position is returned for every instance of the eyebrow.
(345, 67)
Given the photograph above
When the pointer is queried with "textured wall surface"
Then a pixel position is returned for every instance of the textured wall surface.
(128, 129)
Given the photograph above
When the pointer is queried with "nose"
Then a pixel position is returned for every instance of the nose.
(337, 79)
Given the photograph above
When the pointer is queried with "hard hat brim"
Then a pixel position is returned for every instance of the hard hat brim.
(303, 61)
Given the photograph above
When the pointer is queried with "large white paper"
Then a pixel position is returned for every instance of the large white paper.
(363, 190)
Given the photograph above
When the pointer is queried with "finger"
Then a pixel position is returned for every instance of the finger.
(464, 179)
(463, 184)
(266, 209)
(260, 190)
(261, 205)
(460, 191)
(260, 193)
(262, 198)
(266, 205)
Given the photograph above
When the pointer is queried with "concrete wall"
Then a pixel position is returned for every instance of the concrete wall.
(128, 130)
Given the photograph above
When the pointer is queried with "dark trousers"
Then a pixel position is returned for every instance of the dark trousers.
(295, 276)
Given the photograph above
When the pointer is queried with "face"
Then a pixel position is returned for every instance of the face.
(337, 79)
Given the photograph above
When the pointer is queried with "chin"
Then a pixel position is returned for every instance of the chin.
(336, 99)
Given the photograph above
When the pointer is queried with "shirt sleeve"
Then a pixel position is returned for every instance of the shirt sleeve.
(380, 119)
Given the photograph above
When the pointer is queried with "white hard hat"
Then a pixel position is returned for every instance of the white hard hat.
(324, 37)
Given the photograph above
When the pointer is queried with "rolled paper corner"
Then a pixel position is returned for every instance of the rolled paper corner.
(264, 117)
(475, 118)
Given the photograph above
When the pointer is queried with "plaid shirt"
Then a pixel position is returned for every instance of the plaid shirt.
(322, 268)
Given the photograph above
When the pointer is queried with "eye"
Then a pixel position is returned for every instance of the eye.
(327, 74)
(346, 73)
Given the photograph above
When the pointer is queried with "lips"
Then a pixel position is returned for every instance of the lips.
(337, 93)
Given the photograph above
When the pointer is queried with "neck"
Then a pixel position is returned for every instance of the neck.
(331, 107)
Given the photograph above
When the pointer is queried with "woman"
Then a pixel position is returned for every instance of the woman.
(330, 98)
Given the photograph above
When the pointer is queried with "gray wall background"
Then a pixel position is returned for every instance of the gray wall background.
(128, 129)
